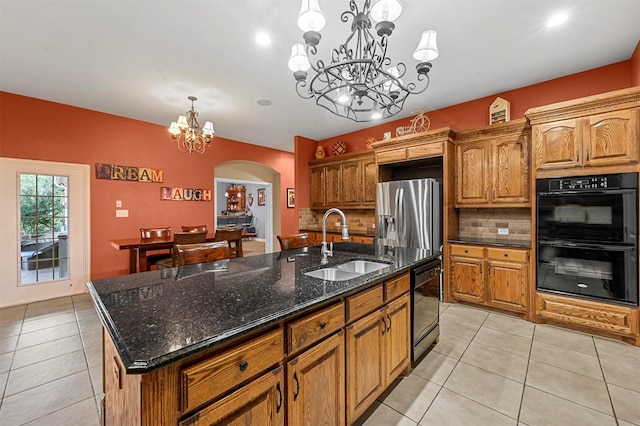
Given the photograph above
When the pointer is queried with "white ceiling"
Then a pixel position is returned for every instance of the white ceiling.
(142, 58)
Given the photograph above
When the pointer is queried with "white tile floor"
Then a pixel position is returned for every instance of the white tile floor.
(488, 369)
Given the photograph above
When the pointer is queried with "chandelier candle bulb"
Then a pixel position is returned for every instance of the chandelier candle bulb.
(358, 81)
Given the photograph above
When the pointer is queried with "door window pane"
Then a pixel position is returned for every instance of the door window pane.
(43, 228)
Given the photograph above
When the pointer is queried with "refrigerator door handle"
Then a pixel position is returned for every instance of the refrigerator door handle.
(400, 212)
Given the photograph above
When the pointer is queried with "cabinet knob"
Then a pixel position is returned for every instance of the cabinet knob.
(506, 255)
(466, 251)
(243, 366)
(323, 325)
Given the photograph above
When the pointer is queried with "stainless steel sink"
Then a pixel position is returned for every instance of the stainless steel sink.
(332, 274)
(362, 266)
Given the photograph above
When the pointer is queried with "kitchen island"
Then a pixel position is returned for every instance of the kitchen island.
(255, 338)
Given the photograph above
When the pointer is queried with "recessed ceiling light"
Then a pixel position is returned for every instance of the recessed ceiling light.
(263, 39)
(557, 19)
(264, 102)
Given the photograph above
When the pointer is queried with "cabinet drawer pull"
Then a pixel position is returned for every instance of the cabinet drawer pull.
(243, 366)
(279, 396)
(587, 154)
(577, 155)
(297, 392)
(384, 330)
(389, 318)
(323, 325)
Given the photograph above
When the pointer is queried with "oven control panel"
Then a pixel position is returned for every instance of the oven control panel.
(584, 183)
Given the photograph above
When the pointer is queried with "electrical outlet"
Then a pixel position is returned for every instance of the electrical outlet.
(337, 223)
(122, 213)
(503, 231)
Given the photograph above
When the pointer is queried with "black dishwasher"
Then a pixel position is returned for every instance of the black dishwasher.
(425, 308)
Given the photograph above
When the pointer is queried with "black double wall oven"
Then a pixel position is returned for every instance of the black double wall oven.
(587, 236)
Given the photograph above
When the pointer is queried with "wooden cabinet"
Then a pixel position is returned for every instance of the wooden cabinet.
(417, 146)
(600, 130)
(616, 319)
(315, 238)
(378, 347)
(491, 276)
(262, 399)
(346, 181)
(316, 384)
(492, 166)
(236, 199)
(597, 140)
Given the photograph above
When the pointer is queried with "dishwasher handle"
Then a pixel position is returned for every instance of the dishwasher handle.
(425, 273)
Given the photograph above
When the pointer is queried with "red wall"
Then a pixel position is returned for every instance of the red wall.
(42, 130)
(475, 113)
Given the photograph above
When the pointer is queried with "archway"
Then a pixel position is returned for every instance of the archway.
(250, 171)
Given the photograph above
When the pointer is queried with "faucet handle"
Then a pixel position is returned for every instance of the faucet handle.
(330, 253)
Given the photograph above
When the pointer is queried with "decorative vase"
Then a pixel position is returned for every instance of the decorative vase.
(320, 152)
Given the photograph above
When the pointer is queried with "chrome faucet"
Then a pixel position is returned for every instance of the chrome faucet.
(345, 234)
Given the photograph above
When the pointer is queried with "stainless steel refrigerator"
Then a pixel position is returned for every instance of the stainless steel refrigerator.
(410, 213)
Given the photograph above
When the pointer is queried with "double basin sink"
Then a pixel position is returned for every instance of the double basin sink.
(348, 270)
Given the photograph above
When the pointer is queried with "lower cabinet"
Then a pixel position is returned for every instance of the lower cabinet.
(262, 399)
(316, 384)
(491, 276)
(378, 351)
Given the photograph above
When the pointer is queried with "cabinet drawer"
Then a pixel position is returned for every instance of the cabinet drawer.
(364, 302)
(473, 251)
(362, 239)
(397, 287)
(209, 379)
(602, 316)
(508, 254)
(314, 327)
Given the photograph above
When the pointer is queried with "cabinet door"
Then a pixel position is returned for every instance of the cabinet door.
(351, 183)
(333, 176)
(398, 337)
(507, 285)
(611, 138)
(261, 399)
(472, 173)
(316, 384)
(365, 363)
(467, 279)
(510, 171)
(558, 145)
(370, 181)
(317, 179)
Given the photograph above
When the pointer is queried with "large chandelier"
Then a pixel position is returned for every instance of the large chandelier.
(359, 83)
(187, 134)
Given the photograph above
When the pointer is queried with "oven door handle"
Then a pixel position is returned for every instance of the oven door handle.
(569, 244)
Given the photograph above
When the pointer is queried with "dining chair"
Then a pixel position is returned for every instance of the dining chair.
(181, 238)
(293, 241)
(189, 254)
(152, 235)
(195, 228)
(234, 236)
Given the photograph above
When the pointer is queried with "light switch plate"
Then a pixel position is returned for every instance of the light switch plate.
(118, 203)
(503, 231)
(122, 213)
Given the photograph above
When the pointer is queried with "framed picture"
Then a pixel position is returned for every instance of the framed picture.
(261, 197)
(291, 197)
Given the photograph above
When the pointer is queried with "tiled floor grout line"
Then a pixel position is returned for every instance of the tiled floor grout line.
(606, 385)
(526, 373)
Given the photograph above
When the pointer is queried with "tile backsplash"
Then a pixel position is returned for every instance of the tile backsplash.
(359, 221)
(484, 223)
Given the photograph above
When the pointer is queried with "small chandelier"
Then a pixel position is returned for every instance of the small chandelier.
(187, 134)
(359, 83)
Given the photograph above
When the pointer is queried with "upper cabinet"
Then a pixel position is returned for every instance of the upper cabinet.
(492, 166)
(345, 181)
(601, 130)
(416, 146)
(236, 199)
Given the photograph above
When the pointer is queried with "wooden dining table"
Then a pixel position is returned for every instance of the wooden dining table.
(138, 249)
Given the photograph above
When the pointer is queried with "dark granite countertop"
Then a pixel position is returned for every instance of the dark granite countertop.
(158, 317)
(502, 242)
